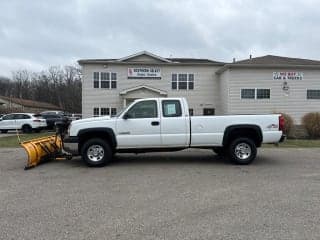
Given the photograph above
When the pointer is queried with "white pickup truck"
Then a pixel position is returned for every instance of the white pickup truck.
(164, 124)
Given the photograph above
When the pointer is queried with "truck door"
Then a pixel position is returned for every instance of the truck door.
(140, 126)
(175, 125)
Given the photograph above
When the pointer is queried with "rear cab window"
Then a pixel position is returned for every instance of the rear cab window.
(171, 108)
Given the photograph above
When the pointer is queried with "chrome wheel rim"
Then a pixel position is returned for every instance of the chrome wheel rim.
(95, 153)
(243, 151)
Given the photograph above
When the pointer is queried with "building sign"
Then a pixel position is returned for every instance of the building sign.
(144, 72)
(288, 76)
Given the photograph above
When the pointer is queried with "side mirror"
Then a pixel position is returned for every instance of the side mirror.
(126, 116)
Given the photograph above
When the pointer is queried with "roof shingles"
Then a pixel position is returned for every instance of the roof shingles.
(275, 60)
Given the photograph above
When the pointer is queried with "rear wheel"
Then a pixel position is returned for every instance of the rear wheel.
(96, 152)
(26, 129)
(242, 151)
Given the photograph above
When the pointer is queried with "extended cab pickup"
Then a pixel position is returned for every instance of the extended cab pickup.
(164, 124)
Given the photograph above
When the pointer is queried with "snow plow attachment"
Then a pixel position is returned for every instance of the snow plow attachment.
(43, 149)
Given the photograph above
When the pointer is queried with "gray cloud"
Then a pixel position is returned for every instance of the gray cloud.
(36, 34)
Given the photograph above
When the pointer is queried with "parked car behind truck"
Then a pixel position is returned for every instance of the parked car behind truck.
(52, 117)
(164, 124)
(27, 122)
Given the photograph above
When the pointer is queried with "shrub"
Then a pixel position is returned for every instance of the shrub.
(288, 123)
(311, 122)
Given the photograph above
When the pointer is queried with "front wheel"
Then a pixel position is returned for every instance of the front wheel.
(242, 151)
(96, 152)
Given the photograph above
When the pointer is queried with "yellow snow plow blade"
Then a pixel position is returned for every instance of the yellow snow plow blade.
(41, 149)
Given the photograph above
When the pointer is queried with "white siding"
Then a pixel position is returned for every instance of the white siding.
(204, 95)
(224, 91)
(295, 104)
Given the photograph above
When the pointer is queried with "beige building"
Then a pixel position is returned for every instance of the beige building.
(265, 84)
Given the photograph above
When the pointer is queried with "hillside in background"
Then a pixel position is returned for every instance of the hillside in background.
(60, 86)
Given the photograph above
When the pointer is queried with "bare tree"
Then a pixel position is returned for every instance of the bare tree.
(58, 85)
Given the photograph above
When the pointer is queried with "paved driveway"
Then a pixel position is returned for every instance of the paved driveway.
(184, 195)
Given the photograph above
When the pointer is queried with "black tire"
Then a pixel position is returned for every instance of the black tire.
(26, 129)
(242, 151)
(220, 151)
(4, 131)
(37, 130)
(96, 152)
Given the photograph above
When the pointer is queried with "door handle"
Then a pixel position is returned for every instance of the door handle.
(155, 123)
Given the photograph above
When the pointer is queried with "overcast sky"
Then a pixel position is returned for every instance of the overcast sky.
(37, 34)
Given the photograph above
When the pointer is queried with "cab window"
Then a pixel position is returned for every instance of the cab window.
(144, 109)
(171, 108)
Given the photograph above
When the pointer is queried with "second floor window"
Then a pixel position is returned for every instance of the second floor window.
(106, 80)
(96, 79)
(182, 81)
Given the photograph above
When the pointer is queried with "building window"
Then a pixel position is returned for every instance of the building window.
(313, 94)
(263, 93)
(95, 112)
(108, 80)
(190, 83)
(104, 111)
(174, 81)
(248, 93)
(113, 111)
(255, 93)
(191, 111)
(208, 111)
(182, 81)
(113, 80)
(105, 80)
(96, 80)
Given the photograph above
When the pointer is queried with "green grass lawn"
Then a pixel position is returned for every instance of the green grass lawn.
(12, 141)
(296, 143)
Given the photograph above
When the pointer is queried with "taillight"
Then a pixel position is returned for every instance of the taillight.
(281, 123)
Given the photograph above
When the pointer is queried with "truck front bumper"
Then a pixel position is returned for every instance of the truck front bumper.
(70, 145)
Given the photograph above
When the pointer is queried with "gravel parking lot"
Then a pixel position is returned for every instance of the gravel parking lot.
(185, 195)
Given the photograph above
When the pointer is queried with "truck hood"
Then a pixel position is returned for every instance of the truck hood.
(95, 122)
(92, 119)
